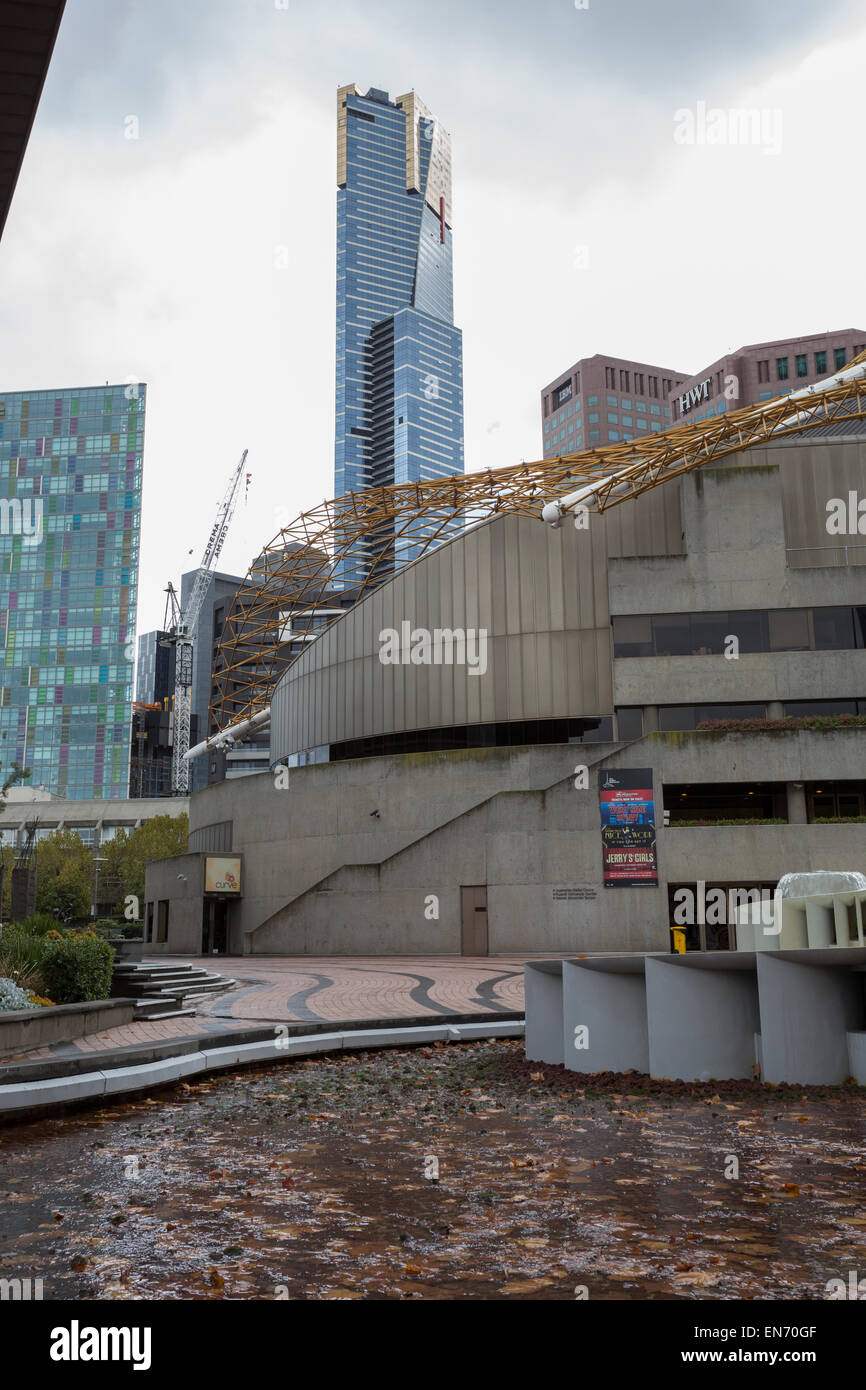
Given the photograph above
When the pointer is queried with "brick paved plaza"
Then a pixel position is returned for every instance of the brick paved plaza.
(279, 989)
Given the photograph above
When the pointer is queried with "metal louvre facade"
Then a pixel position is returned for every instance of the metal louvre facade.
(540, 596)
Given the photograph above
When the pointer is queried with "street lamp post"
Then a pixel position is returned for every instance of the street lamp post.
(97, 860)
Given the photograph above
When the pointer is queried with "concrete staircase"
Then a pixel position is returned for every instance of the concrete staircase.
(165, 991)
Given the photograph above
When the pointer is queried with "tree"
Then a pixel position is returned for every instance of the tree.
(64, 879)
(18, 774)
(127, 855)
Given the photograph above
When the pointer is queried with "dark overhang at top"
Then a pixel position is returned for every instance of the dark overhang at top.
(28, 29)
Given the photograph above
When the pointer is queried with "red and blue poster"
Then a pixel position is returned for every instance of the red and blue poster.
(628, 828)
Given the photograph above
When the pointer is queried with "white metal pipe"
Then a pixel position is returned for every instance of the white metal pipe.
(233, 734)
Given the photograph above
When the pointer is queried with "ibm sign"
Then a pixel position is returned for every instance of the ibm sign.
(698, 393)
(563, 393)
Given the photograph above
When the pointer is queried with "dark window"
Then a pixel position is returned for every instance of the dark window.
(162, 920)
(802, 364)
(821, 363)
(630, 723)
(839, 358)
(833, 800)
(674, 718)
(705, 713)
(708, 633)
(362, 116)
(751, 629)
(782, 368)
(148, 922)
(632, 635)
(833, 629)
(599, 732)
(672, 635)
(789, 630)
(763, 371)
(805, 709)
(725, 801)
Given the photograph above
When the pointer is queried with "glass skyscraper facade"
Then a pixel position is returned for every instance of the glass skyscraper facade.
(399, 397)
(70, 504)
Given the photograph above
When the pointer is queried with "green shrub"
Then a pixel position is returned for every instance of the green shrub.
(37, 925)
(20, 949)
(771, 726)
(76, 966)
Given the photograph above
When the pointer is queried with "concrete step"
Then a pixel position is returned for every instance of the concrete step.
(143, 972)
(192, 991)
(161, 1008)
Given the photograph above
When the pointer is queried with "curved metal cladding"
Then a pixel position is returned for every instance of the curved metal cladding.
(534, 606)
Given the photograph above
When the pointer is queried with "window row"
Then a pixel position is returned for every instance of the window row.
(714, 634)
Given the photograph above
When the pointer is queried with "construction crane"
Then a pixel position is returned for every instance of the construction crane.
(183, 636)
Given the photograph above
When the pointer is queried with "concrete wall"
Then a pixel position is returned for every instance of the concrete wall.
(324, 874)
(181, 881)
(24, 1030)
(795, 1017)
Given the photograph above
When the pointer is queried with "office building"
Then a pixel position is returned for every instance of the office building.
(610, 400)
(70, 501)
(399, 384)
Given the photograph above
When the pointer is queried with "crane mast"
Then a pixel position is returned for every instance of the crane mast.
(184, 639)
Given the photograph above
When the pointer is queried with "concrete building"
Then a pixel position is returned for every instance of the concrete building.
(95, 821)
(477, 798)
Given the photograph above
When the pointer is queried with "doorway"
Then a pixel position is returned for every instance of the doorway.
(214, 927)
(473, 920)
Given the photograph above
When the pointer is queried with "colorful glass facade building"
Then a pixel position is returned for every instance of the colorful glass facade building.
(399, 396)
(70, 504)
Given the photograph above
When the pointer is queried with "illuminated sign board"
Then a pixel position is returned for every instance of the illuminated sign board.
(222, 875)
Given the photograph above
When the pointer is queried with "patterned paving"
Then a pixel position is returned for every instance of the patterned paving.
(327, 989)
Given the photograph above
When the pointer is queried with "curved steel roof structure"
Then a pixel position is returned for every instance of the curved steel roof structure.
(295, 574)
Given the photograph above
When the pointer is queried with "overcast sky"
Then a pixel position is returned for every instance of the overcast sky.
(157, 258)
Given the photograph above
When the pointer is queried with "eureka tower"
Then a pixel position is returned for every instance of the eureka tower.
(399, 396)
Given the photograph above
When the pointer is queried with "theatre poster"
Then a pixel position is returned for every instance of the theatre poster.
(628, 829)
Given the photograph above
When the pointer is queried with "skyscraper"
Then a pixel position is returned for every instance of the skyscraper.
(399, 399)
(70, 502)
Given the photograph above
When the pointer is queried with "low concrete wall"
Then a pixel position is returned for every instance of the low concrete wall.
(24, 1030)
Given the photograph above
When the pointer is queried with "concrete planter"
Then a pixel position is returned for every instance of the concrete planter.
(24, 1030)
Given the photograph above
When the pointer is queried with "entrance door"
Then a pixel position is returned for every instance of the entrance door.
(473, 916)
(214, 932)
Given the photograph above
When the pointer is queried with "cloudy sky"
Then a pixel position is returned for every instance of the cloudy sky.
(581, 224)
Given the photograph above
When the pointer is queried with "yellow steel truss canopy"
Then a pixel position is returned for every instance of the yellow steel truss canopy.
(359, 540)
